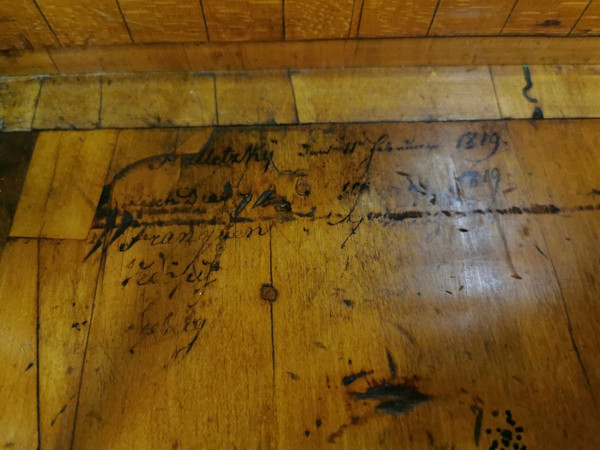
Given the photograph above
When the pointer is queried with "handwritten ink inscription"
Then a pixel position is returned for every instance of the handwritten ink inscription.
(171, 235)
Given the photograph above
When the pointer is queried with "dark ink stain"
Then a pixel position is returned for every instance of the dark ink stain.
(319, 345)
(318, 423)
(542, 253)
(349, 303)
(463, 230)
(306, 433)
(528, 84)
(303, 187)
(338, 433)
(430, 438)
(550, 23)
(538, 114)
(391, 365)
(62, 410)
(478, 424)
(262, 198)
(352, 378)
(509, 419)
(394, 399)
(268, 292)
(293, 376)
(29, 366)
(247, 198)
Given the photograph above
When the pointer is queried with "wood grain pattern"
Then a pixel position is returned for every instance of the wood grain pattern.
(385, 285)
(18, 357)
(310, 54)
(249, 98)
(589, 23)
(66, 295)
(356, 18)
(571, 243)
(552, 17)
(17, 103)
(85, 22)
(162, 100)
(556, 92)
(317, 19)
(394, 94)
(117, 58)
(67, 103)
(244, 20)
(27, 63)
(164, 20)
(470, 17)
(63, 184)
(396, 18)
(51, 23)
(23, 27)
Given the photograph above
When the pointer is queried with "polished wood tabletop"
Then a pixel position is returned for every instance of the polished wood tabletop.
(381, 285)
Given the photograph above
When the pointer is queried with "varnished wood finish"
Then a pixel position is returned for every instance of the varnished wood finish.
(307, 96)
(164, 20)
(348, 286)
(307, 54)
(553, 17)
(85, 22)
(318, 19)
(39, 24)
(396, 18)
(589, 23)
(474, 17)
(244, 20)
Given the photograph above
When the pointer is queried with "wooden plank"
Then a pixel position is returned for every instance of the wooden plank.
(24, 27)
(17, 103)
(122, 58)
(194, 329)
(451, 51)
(191, 140)
(589, 23)
(158, 100)
(15, 153)
(86, 22)
(63, 184)
(66, 292)
(317, 19)
(396, 18)
(136, 145)
(356, 17)
(164, 20)
(374, 285)
(470, 17)
(18, 356)
(27, 63)
(552, 17)
(555, 91)
(69, 102)
(255, 98)
(570, 153)
(244, 20)
(394, 94)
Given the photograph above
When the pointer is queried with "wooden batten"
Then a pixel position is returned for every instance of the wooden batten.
(305, 54)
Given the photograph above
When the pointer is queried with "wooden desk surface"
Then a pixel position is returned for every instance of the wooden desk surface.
(386, 285)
